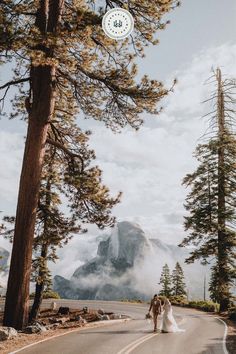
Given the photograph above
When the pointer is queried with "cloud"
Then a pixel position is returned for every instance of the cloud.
(78, 251)
(11, 151)
(147, 166)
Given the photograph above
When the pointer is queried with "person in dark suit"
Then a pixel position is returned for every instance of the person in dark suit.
(156, 308)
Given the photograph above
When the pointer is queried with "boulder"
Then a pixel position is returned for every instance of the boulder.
(115, 316)
(7, 333)
(53, 306)
(60, 320)
(85, 309)
(101, 312)
(80, 319)
(105, 318)
(35, 328)
(64, 310)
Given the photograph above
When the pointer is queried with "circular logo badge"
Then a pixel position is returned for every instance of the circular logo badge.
(118, 23)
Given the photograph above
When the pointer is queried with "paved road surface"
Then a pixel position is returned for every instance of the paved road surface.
(203, 334)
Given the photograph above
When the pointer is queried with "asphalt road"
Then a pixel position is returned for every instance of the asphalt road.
(203, 334)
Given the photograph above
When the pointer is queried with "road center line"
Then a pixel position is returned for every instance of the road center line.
(130, 347)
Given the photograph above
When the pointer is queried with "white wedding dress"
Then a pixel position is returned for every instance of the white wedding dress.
(168, 322)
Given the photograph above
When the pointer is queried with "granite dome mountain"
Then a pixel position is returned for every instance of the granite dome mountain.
(127, 266)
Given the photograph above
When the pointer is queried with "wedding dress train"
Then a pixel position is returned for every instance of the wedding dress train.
(168, 322)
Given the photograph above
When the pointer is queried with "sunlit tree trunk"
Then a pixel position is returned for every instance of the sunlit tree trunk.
(223, 287)
(42, 80)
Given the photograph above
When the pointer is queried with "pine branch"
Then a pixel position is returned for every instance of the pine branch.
(14, 82)
(67, 151)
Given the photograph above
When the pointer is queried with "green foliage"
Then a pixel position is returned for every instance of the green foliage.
(207, 306)
(64, 65)
(179, 300)
(75, 180)
(212, 200)
(214, 284)
(165, 281)
(162, 298)
(48, 294)
(178, 282)
(133, 301)
(93, 74)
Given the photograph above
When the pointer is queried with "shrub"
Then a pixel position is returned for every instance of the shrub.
(133, 301)
(179, 300)
(48, 295)
(162, 298)
(208, 306)
(51, 295)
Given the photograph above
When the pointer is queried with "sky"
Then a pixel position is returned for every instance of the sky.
(149, 165)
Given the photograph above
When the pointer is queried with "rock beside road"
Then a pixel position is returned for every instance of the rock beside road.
(115, 316)
(104, 317)
(7, 333)
(35, 328)
(60, 320)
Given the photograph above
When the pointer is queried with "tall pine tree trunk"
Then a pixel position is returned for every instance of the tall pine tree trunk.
(43, 100)
(16, 308)
(223, 286)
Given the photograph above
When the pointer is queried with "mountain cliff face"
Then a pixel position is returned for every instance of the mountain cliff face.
(127, 265)
(4, 255)
(105, 276)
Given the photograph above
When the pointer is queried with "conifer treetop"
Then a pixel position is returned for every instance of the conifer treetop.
(94, 73)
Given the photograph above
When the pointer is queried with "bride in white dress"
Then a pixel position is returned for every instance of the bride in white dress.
(169, 324)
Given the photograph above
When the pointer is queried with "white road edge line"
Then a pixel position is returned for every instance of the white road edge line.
(130, 347)
(98, 324)
(225, 336)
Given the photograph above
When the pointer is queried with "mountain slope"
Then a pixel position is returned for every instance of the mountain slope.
(127, 265)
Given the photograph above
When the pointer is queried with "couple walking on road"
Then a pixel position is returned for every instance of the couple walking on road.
(168, 324)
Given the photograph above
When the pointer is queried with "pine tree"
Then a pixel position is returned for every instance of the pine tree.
(212, 200)
(65, 64)
(214, 284)
(88, 201)
(165, 281)
(178, 282)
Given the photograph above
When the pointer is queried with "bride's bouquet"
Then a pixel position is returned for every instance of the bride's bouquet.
(148, 317)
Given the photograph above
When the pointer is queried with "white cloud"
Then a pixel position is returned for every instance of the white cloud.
(147, 166)
(11, 151)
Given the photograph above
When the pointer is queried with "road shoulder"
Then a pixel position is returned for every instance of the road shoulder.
(231, 335)
(23, 341)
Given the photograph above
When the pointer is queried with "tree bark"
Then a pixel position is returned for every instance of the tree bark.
(223, 286)
(16, 308)
(43, 100)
